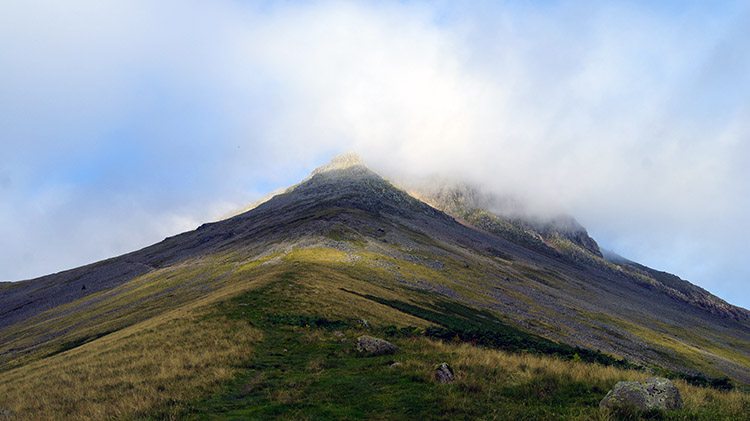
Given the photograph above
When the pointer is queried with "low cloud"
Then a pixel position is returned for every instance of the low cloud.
(634, 118)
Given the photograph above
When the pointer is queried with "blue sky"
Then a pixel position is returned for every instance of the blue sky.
(126, 122)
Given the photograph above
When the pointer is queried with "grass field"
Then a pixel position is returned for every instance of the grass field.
(277, 341)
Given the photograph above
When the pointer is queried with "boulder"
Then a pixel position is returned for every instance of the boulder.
(653, 393)
(444, 373)
(375, 346)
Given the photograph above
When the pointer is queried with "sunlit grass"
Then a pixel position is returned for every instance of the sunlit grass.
(689, 347)
(308, 373)
(152, 368)
(175, 336)
(485, 373)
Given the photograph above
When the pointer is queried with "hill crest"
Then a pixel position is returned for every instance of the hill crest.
(358, 228)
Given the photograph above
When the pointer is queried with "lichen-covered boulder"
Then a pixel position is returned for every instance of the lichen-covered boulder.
(653, 393)
(375, 346)
(444, 373)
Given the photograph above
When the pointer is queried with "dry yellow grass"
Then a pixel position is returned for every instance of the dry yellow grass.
(154, 367)
(159, 364)
(485, 371)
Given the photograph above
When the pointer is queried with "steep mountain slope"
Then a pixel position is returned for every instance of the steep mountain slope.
(562, 238)
(347, 245)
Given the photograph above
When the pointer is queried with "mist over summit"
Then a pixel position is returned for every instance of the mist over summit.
(345, 254)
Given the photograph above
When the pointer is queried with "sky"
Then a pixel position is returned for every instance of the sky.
(124, 122)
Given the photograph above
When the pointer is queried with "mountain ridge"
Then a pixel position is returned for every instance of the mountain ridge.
(521, 270)
(560, 236)
(256, 316)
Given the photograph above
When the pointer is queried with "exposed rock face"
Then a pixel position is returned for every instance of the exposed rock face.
(342, 162)
(444, 373)
(653, 393)
(375, 346)
(508, 217)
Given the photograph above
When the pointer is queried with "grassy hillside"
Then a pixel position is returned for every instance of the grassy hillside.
(237, 337)
(256, 317)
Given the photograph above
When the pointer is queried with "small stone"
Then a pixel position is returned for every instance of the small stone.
(653, 393)
(6, 413)
(444, 373)
(375, 346)
(394, 365)
(344, 340)
(364, 323)
(338, 333)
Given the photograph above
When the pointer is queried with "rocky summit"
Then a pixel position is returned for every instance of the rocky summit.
(262, 315)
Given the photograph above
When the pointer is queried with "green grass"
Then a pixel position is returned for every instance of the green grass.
(282, 358)
(305, 374)
(462, 323)
(303, 370)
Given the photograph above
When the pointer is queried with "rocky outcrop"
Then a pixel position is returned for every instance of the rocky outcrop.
(444, 373)
(653, 393)
(375, 346)
(509, 218)
(342, 162)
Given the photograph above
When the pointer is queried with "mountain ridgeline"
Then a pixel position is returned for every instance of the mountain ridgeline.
(563, 238)
(346, 245)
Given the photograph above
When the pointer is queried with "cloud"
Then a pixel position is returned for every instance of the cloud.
(631, 116)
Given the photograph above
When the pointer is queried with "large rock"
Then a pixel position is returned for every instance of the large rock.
(444, 373)
(653, 393)
(375, 346)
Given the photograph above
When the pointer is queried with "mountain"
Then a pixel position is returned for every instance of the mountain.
(563, 238)
(346, 250)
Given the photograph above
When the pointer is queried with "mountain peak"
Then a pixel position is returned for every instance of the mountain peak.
(342, 162)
